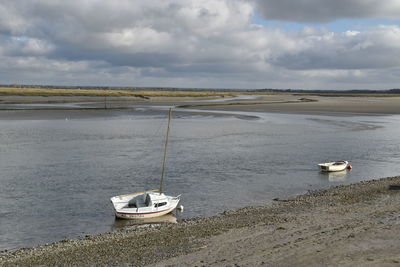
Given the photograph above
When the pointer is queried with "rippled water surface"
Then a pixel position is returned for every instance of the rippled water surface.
(56, 176)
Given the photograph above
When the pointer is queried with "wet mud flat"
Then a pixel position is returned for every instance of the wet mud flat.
(312, 104)
(352, 225)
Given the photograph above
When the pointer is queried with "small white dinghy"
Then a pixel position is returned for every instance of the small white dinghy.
(148, 204)
(335, 166)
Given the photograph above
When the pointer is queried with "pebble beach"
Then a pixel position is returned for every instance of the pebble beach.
(352, 225)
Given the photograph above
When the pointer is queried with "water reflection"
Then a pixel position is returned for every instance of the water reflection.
(335, 177)
(126, 224)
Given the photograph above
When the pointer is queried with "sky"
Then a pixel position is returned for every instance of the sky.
(248, 44)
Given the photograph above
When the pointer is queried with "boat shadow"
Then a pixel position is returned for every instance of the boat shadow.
(126, 224)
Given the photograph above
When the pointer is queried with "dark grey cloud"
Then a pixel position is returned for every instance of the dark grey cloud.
(327, 10)
(370, 58)
(115, 58)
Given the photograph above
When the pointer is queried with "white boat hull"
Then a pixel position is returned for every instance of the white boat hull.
(143, 205)
(336, 166)
(146, 215)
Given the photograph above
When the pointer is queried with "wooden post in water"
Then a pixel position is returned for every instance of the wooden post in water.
(165, 151)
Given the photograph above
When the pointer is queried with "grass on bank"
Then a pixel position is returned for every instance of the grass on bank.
(4, 91)
(11, 91)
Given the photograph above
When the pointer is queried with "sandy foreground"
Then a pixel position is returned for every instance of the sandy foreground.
(353, 225)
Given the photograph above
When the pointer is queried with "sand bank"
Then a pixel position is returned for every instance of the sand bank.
(258, 103)
(311, 104)
(354, 225)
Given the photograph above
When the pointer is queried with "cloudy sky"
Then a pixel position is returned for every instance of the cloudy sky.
(309, 44)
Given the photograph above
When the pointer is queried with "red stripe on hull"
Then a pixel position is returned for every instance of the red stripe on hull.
(144, 213)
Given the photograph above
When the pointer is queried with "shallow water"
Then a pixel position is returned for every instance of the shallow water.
(57, 175)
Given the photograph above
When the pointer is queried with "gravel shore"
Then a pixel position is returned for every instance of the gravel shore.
(357, 225)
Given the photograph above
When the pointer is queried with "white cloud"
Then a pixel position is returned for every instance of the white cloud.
(25, 46)
(375, 48)
(352, 33)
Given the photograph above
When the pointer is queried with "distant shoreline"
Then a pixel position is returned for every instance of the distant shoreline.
(392, 91)
(143, 92)
(346, 225)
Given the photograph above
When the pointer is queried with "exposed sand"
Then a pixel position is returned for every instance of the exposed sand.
(262, 103)
(355, 225)
(319, 104)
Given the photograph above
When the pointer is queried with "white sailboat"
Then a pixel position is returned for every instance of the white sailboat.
(147, 204)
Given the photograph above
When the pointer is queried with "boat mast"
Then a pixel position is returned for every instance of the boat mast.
(165, 151)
